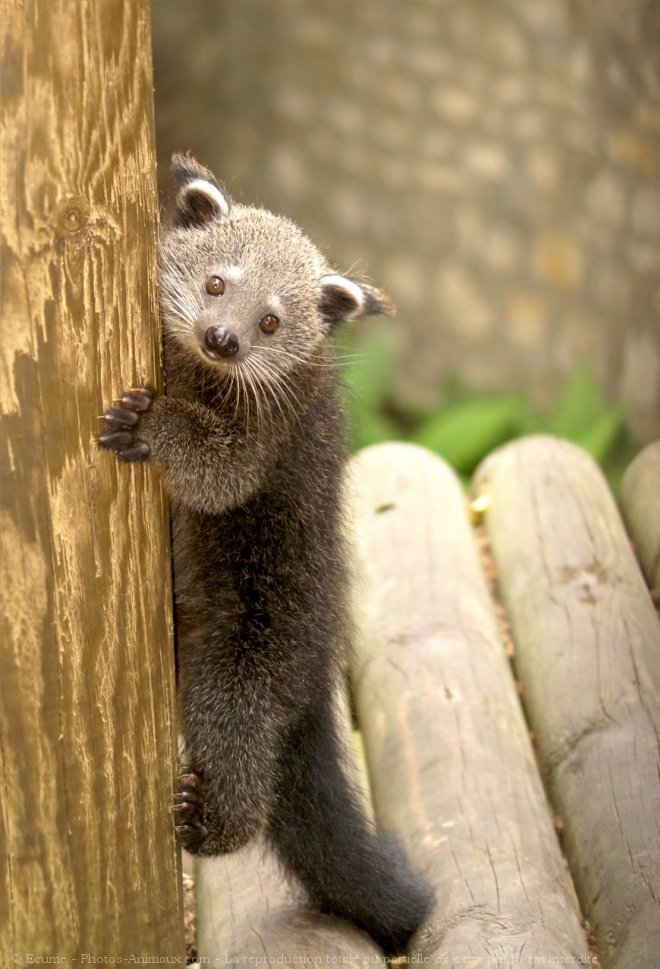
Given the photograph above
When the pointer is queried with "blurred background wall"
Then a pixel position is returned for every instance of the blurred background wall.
(494, 164)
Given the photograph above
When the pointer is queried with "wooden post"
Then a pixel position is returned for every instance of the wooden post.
(588, 654)
(89, 866)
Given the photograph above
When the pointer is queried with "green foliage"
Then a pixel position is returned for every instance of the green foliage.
(469, 426)
(465, 431)
(582, 414)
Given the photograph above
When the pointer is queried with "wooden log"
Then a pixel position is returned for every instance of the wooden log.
(86, 691)
(247, 912)
(640, 504)
(588, 653)
(448, 752)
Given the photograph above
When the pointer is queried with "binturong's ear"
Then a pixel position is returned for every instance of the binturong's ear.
(200, 199)
(344, 298)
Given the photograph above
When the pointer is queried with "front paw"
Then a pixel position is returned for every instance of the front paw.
(122, 422)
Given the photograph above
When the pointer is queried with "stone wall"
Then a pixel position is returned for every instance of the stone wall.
(493, 163)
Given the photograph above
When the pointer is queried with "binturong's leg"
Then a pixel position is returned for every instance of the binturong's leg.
(321, 836)
(232, 741)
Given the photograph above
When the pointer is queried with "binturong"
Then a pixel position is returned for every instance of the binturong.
(250, 441)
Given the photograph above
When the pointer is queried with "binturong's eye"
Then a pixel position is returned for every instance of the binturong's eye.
(269, 323)
(215, 286)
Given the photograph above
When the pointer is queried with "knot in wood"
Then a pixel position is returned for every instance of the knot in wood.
(73, 214)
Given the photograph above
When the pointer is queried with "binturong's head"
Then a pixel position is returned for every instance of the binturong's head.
(243, 287)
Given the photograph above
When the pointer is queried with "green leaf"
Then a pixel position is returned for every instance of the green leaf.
(583, 414)
(467, 431)
(599, 439)
(579, 407)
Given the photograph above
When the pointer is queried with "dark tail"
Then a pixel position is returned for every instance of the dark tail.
(321, 836)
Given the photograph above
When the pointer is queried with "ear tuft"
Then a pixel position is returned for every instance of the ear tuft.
(201, 199)
(344, 298)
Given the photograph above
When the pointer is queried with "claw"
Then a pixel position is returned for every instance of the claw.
(115, 439)
(188, 834)
(187, 797)
(184, 814)
(191, 779)
(120, 417)
(137, 399)
(139, 452)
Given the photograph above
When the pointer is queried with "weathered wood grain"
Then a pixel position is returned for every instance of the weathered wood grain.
(448, 752)
(247, 911)
(86, 697)
(588, 653)
(640, 504)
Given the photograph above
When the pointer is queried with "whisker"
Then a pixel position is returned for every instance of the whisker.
(269, 382)
(261, 379)
(255, 384)
(331, 364)
(298, 358)
(281, 389)
(243, 374)
(238, 392)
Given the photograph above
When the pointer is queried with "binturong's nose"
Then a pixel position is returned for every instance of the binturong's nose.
(221, 341)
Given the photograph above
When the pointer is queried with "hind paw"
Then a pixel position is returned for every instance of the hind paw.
(122, 423)
(189, 810)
